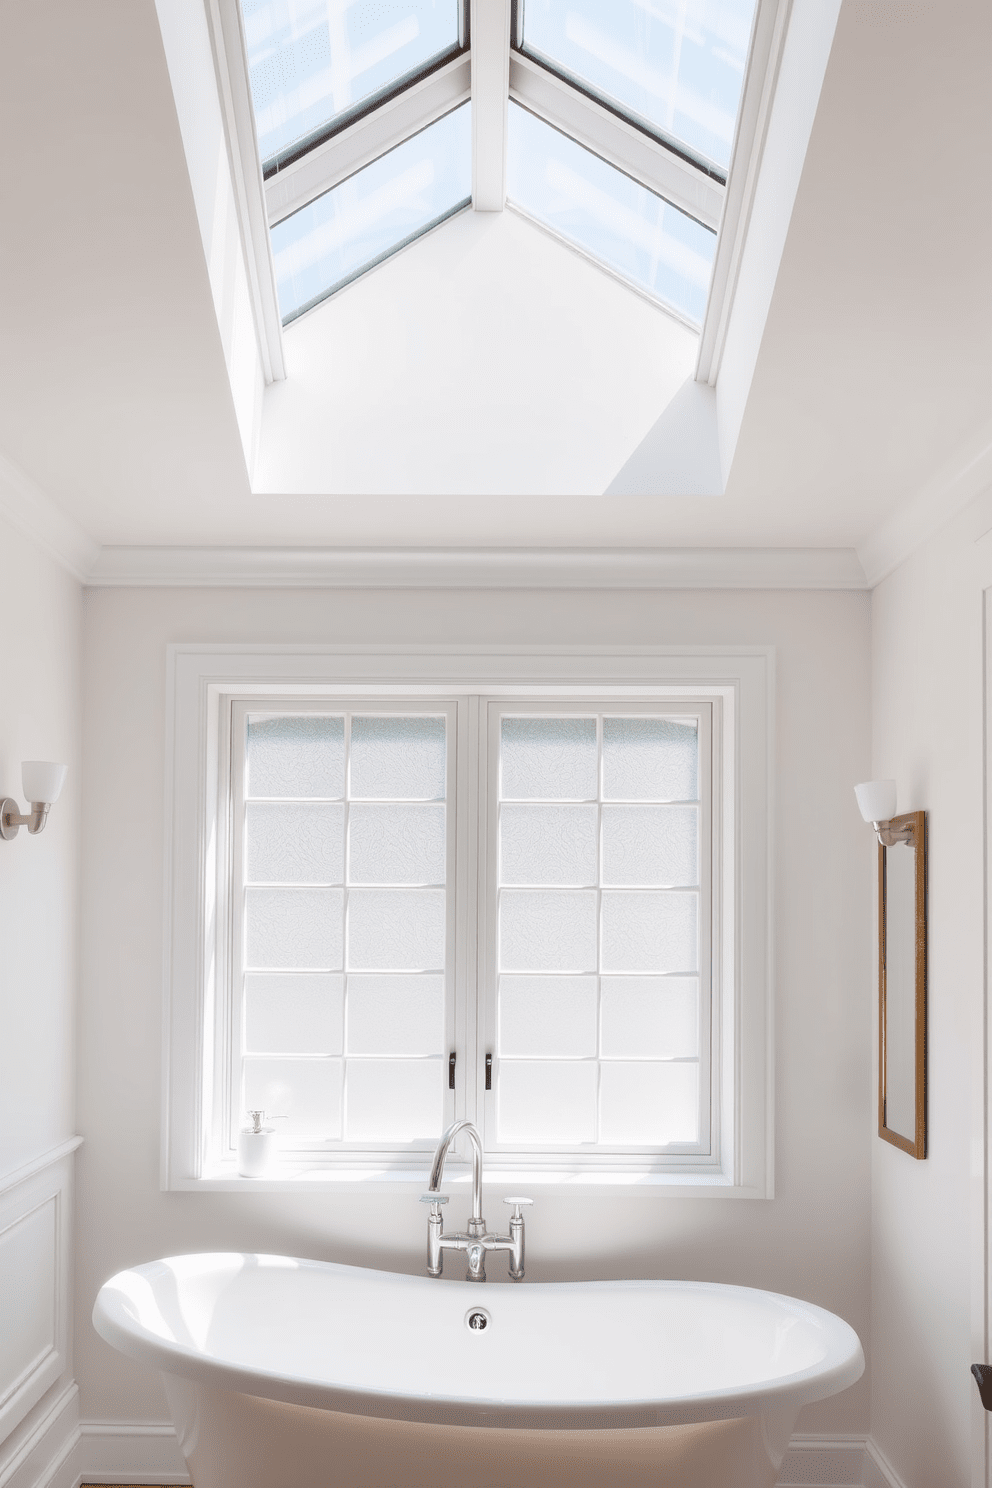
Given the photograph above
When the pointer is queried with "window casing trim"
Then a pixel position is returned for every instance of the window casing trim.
(198, 680)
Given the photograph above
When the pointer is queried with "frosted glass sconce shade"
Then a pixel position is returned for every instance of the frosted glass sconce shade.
(43, 780)
(876, 799)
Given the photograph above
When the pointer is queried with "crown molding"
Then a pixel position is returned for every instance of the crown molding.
(480, 568)
(36, 516)
(938, 502)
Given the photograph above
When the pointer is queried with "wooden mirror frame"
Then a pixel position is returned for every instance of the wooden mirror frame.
(912, 828)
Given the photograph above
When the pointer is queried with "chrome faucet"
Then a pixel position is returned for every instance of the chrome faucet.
(476, 1241)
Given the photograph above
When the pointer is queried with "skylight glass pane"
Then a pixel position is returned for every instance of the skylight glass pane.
(314, 63)
(373, 213)
(609, 216)
(675, 66)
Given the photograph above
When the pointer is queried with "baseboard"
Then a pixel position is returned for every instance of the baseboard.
(879, 1472)
(127, 1452)
(65, 1454)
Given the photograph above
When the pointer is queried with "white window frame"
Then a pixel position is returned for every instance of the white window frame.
(202, 680)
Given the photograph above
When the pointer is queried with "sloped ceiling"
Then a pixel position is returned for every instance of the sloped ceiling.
(876, 362)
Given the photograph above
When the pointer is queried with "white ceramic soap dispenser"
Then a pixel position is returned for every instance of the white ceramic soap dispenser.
(257, 1151)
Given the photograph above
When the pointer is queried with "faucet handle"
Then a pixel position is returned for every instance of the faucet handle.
(433, 1198)
(518, 1204)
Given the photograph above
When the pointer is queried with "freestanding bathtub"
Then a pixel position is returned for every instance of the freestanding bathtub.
(284, 1373)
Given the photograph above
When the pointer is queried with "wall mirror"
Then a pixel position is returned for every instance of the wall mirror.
(902, 982)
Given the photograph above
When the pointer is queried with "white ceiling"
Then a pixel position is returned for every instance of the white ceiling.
(485, 386)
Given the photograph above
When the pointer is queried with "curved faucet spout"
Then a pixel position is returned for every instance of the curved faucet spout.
(437, 1167)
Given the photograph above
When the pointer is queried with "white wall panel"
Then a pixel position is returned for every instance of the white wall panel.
(812, 1239)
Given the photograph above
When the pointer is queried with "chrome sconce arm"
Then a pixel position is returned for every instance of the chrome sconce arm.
(42, 781)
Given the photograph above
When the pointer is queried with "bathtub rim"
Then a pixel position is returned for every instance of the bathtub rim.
(844, 1365)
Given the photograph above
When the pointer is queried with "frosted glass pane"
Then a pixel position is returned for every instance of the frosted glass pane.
(297, 1014)
(313, 63)
(293, 927)
(650, 1017)
(394, 1100)
(395, 1015)
(613, 218)
(649, 932)
(551, 759)
(294, 844)
(547, 931)
(396, 929)
(650, 759)
(540, 1100)
(396, 844)
(649, 1104)
(678, 67)
(553, 1017)
(306, 1091)
(401, 759)
(547, 845)
(650, 845)
(301, 756)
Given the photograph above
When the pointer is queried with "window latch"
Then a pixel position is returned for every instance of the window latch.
(489, 1072)
(451, 1070)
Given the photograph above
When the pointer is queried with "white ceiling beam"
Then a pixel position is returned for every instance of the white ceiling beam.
(630, 149)
(490, 41)
(387, 125)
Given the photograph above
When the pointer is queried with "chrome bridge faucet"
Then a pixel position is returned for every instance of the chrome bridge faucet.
(477, 1240)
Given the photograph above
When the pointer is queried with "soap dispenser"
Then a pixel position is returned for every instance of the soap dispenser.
(257, 1151)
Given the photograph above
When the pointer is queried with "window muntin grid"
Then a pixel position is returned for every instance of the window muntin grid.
(675, 68)
(314, 65)
(343, 924)
(600, 1042)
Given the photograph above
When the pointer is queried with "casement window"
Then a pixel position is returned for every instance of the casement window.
(520, 904)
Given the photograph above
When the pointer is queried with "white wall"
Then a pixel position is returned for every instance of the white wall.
(928, 1219)
(813, 1239)
(40, 640)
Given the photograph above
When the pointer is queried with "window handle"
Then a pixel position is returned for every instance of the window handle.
(451, 1070)
(489, 1072)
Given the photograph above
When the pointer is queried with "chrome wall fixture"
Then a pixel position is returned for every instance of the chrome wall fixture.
(42, 781)
(877, 802)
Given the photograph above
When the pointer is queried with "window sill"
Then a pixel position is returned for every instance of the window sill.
(413, 1181)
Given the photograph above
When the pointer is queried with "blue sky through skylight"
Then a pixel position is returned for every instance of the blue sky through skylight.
(373, 213)
(310, 62)
(608, 215)
(676, 65)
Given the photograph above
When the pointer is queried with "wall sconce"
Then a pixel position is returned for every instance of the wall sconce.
(42, 782)
(877, 801)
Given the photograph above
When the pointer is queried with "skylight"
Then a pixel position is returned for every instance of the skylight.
(621, 125)
(674, 67)
(314, 65)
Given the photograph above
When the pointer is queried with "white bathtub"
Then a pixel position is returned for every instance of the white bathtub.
(284, 1373)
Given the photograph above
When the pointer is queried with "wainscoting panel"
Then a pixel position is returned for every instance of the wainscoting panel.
(35, 1271)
